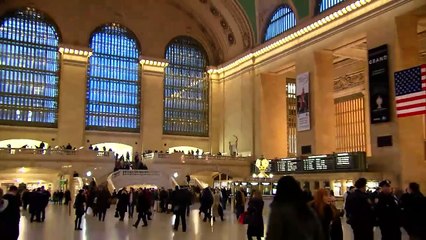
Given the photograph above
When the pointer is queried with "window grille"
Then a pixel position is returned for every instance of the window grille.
(113, 88)
(291, 117)
(186, 89)
(282, 20)
(326, 4)
(350, 124)
(29, 69)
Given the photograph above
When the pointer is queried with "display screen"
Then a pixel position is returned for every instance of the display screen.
(338, 162)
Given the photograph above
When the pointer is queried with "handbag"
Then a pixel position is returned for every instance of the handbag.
(244, 218)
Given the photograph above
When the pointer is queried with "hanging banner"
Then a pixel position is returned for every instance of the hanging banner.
(302, 94)
(378, 75)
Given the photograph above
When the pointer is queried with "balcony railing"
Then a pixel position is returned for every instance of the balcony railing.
(194, 157)
(81, 153)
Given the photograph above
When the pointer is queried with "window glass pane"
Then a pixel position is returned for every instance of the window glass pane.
(113, 81)
(282, 20)
(291, 117)
(29, 69)
(326, 4)
(186, 89)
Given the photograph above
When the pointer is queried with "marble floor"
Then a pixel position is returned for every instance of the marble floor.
(60, 226)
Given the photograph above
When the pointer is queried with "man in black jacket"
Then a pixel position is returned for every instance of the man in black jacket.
(10, 217)
(181, 201)
(413, 205)
(388, 212)
(360, 211)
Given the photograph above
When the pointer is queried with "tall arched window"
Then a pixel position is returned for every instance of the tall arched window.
(113, 89)
(186, 89)
(29, 69)
(282, 20)
(326, 4)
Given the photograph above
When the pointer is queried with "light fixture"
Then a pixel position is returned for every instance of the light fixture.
(22, 170)
(89, 173)
(175, 175)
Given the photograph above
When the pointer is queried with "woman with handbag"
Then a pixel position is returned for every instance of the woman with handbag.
(255, 216)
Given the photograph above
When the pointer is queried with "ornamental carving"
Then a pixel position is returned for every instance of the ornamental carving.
(222, 21)
(349, 81)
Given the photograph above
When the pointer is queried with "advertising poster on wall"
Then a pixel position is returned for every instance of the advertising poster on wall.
(378, 74)
(302, 95)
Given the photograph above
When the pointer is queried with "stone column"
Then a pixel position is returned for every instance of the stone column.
(322, 135)
(273, 116)
(152, 103)
(410, 134)
(216, 114)
(322, 103)
(72, 96)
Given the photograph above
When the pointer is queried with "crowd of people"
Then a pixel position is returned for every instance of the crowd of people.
(294, 215)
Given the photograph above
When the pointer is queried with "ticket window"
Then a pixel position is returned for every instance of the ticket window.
(274, 188)
(326, 184)
(337, 188)
(266, 187)
(316, 185)
(372, 185)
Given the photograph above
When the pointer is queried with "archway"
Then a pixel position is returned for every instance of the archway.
(20, 143)
(118, 148)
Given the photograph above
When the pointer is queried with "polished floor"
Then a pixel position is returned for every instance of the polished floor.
(60, 225)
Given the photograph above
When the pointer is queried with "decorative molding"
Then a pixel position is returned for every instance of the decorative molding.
(71, 50)
(222, 21)
(153, 64)
(349, 81)
(240, 17)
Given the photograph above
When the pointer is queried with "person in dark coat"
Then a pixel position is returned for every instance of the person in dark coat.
(181, 201)
(45, 196)
(388, 212)
(102, 202)
(25, 199)
(255, 216)
(35, 205)
(163, 200)
(413, 205)
(206, 203)
(224, 199)
(291, 218)
(123, 202)
(360, 211)
(67, 196)
(142, 207)
(10, 216)
(79, 209)
(240, 202)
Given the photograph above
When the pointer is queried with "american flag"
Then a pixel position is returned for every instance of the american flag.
(410, 89)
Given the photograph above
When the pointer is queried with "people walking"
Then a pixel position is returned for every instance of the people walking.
(388, 212)
(123, 201)
(142, 208)
(360, 210)
(255, 216)
(240, 202)
(10, 214)
(291, 218)
(413, 205)
(79, 209)
(206, 203)
(102, 202)
(181, 201)
(216, 205)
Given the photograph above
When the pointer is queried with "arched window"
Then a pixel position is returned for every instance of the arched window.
(186, 89)
(29, 69)
(326, 4)
(113, 89)
(282, 20)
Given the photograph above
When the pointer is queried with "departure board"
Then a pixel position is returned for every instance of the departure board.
(336, 162)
